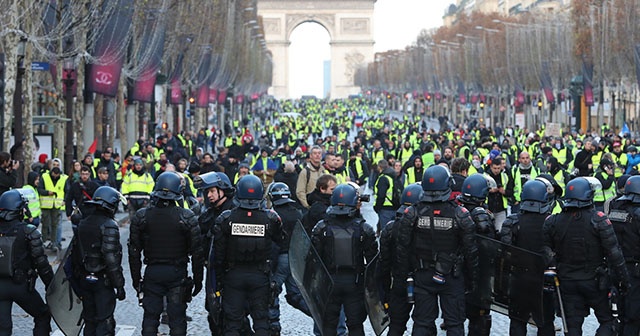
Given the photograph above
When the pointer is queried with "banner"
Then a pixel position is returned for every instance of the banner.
(110, 48)
(587, 76)
(462, 94)
(519, 96)
(176, 91)
(150, 56)
(636, 52)
(202, 98)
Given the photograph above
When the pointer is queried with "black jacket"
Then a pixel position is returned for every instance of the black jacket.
(319, 203)
(78, 193)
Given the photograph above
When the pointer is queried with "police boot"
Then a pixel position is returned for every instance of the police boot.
(274, 330)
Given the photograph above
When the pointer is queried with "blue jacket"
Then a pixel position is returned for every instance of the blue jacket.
(632, 161)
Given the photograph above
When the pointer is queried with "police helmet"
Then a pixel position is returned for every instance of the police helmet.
(436, 184)
(279, 193)
(168, 186)
(535, 196)
(108, 198)
(579, 193)
(12, 205)
(344, 200)
(632, 190)
(410, 196)
(206, 181)
(225, 183)
(250, 191)
(557, 189)
(475, 189)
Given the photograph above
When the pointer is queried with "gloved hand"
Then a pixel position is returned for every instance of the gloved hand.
(120, 294)
(549, 283)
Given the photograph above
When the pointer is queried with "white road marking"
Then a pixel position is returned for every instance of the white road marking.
(123, 330)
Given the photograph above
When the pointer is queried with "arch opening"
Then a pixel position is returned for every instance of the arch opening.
(309, 61)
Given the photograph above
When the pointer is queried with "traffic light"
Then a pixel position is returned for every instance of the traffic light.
(481, 105)
(428, 97)
(165, 125)
(192, 100)
(539, 104)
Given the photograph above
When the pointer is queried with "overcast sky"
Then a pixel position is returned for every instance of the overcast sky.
(396, 25)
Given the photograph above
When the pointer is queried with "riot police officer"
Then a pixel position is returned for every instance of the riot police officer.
(343, 241)
(524, 230)
(22, 255)
(434, 237)
(167, 234)
(218, 195)
(96, 262)
(280, 197)
(625, 217)
(243, 239)
(473, 194)
(393, 282)
(580, 242)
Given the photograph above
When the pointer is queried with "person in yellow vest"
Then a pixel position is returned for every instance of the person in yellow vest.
(243, 169)
(606, 175)
(524, 171)
(33, 197)
(619, 159)
(416, 171)
(137, 186)
(497, 201)
(383, 192)
(405, 153)
(562, 153)
(52, 205)
(265, 168)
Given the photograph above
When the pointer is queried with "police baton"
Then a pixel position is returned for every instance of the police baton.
(564, 318)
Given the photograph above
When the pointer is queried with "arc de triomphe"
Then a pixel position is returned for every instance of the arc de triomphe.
(350, 27)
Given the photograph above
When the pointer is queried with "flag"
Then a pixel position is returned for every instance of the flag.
(93, 147)
(462, 94)
(625, 130)
(109, 47)
(545, 82)
(202, 98)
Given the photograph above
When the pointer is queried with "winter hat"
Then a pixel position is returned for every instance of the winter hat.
(42, 158)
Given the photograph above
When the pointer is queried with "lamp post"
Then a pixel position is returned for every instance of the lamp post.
(69, 68)
(17, 95)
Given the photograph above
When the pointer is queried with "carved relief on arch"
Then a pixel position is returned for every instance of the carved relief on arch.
(272, 26)
(328, 21)
(353, 61)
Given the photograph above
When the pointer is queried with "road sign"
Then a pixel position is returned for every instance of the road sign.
(188, 113)
(39, 66)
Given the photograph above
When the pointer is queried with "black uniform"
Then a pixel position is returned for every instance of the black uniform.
(206, 222)
(524, 230)
(243, 241)
(581, 239)
(168, 235)
(343, 243)
(96, 263)
(479, 317)
(393, 282)
(291, 215)
(433, 240)
(78, 193)
(625, 217)
(18, 276)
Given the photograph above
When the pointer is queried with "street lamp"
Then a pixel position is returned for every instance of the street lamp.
(69, 68)
(17, 95)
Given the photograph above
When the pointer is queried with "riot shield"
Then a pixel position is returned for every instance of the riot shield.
(373, 296)
(309, 273)
(511, 280)
(65, 305)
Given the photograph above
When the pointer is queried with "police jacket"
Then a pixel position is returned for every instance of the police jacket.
(244, 237)
(207, 220)
(383, 190)
(167, 234)
(578, 241)
(387, 271)
(77, 194)
(343, 243)
(483, 219)
(436, 232)
(625, 217)
(290, 216)
(524, 230)
(27, 252)
(319, 203)
(97, 248)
